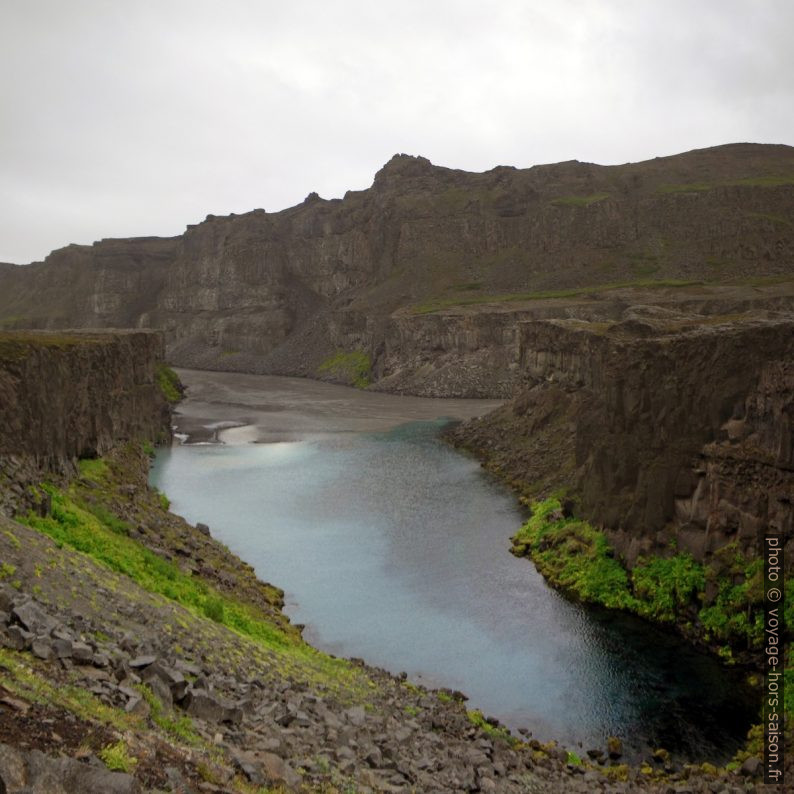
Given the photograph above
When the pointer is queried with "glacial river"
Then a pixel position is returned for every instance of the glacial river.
(393, 547)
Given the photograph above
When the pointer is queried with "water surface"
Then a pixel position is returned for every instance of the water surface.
(393, 547)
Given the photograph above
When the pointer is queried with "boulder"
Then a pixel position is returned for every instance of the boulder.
(32, 617)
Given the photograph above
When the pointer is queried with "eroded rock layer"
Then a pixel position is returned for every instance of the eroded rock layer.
(282, 292)
(661, 427)
(74, 395)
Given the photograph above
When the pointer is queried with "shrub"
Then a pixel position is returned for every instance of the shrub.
(117, 757)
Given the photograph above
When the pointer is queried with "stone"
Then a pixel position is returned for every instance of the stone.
(203, 528)
(751, 767)
(171, 677)
(12, 768)
(138, 706)
(82, 653)
(356, 716)
(277, 770)
(614, 747)
(141, 661)
(18, 638)
(41, 647)
(251, 768)
(86, 778)
(200, 703)
(62, 648)
(32, 617)
(160, 689)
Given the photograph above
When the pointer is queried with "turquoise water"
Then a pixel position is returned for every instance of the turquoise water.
(394, 548)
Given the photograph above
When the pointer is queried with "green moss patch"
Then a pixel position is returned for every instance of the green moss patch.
(577, 558)
(353, 368)
(85, 530)
(511, 297)
(579, 201)
(169, 383)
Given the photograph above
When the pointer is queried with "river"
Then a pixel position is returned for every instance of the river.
(393, 547)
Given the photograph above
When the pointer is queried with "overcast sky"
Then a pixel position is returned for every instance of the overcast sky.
(128, 118)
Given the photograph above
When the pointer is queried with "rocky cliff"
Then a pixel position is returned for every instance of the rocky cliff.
(660, 427)
(69, 395)
(282, 292)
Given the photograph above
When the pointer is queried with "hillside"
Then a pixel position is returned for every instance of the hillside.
(434, 252)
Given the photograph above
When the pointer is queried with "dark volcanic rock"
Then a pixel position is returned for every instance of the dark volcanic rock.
(281, 292)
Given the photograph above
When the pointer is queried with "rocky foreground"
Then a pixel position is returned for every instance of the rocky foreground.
(110, 686)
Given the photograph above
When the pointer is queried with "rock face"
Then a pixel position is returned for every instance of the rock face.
(70, 395)
(280, 292)
(661, 427)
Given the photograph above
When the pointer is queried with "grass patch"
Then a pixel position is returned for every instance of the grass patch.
(107, 518)
(769, 180)
(162, 499)
(169, 383)
(93, 469)
(18, 345)
(665, 586)
(436, 305)
(689, 187)
(23, 680)
(178, 727)
(117, 758)
(477, 718)
(737, 611)
(579, 201)
(576, 557)
(766, 216)
(353, 368)
(765, 181)
(73, 525)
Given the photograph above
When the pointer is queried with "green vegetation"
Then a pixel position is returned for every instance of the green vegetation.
(579, 201)
(73, 525)
(574, 556)
(179, 727)
(574, 759)
(477, 718)
(169, 383)
(737, 611)
(665, 586)
(7, 570)
(353, 368)
(577, 558)
(436, 305)
(164, 501)
(93, 469)
(691, 187)
(117, 757)
(770, 180)
(18, 345)
(23, 680)
(765, 216)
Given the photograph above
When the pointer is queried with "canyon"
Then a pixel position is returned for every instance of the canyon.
(653, 299)
(636, 320)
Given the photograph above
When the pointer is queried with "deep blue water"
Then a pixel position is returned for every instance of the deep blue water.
(394, 547)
